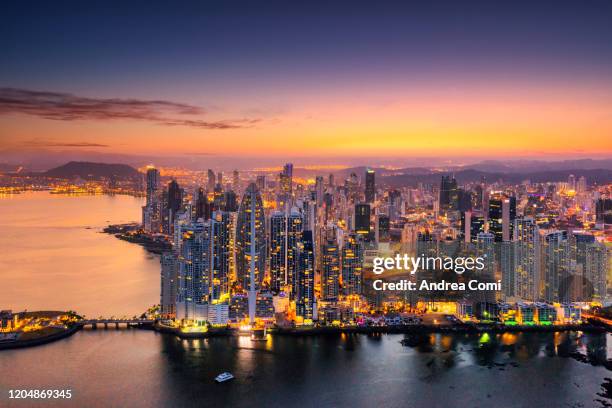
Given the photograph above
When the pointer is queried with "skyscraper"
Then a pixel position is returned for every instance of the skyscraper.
(472, 224)
(384, 228)
(305, 299)
(502, 212)
(251, 245)
(485, 248)
(448, 194)
(203, 208)
(152, 184)
(370, 186)
(236, 180)
(362, 220)
(220, 254)
(193, 272)
(527, 259)
(320, 190)
(556, 264)
(352, 264)
(211, 180)
(174, 204)
(278, 251)
(169, 281)
(230, 201)
(175, 196)
(331, 271)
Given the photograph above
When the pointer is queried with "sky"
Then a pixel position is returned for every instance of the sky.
(321, 80)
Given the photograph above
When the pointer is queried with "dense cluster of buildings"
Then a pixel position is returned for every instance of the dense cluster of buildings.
(283, 250)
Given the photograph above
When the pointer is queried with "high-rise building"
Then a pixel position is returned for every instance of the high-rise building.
(507, 267)
(169, 281)
(220, 255)
(591, 265)
(581, 185)
(194, 272)
(236, 180)
(352, 188)
(485, 242)
(251, 245)
(603, 211)
(279, 275)
(211, 180)
(285, 235)
(556, 266)
(527, 259)
(370, 186)
(502, 212)
(362, 220)
(352, 265)
(175, 196)
(174, 204)
(305, 299)
(472, 224)
(319, 190)
(261, 182)
(571, 182)
(230, 201)
(330, 280)
(152, 184)
(383, 228)
(448, 198)
(203, 208)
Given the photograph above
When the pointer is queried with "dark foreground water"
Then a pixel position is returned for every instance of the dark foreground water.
(133, 368)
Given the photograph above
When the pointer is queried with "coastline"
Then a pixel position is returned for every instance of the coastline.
(42, 340)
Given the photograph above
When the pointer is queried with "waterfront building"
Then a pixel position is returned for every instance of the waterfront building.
(305, 299)
(251, 245)
(221, 250)
(169, 281)
(264, 308)
(194, 272)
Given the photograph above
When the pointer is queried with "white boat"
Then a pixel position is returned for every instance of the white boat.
(224, 377)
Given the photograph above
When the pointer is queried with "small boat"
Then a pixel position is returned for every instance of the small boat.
(258, 335)
(224, 377)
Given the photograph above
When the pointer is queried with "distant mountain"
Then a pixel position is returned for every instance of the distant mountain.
(96, 171)
(522, 166)
(595, 176)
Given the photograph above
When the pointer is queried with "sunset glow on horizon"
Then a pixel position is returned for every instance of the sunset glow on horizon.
(385, 85)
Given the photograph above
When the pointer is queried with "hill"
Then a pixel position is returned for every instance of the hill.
(96, 171)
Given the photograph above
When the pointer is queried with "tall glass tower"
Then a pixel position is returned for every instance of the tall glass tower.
(251, 245)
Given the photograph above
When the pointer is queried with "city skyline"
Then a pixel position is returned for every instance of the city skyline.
(287, 81)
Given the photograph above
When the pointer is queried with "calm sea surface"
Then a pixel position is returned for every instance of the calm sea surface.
(50, 260)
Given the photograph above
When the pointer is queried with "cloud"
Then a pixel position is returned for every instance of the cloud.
(43, 143)
(68, 107)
